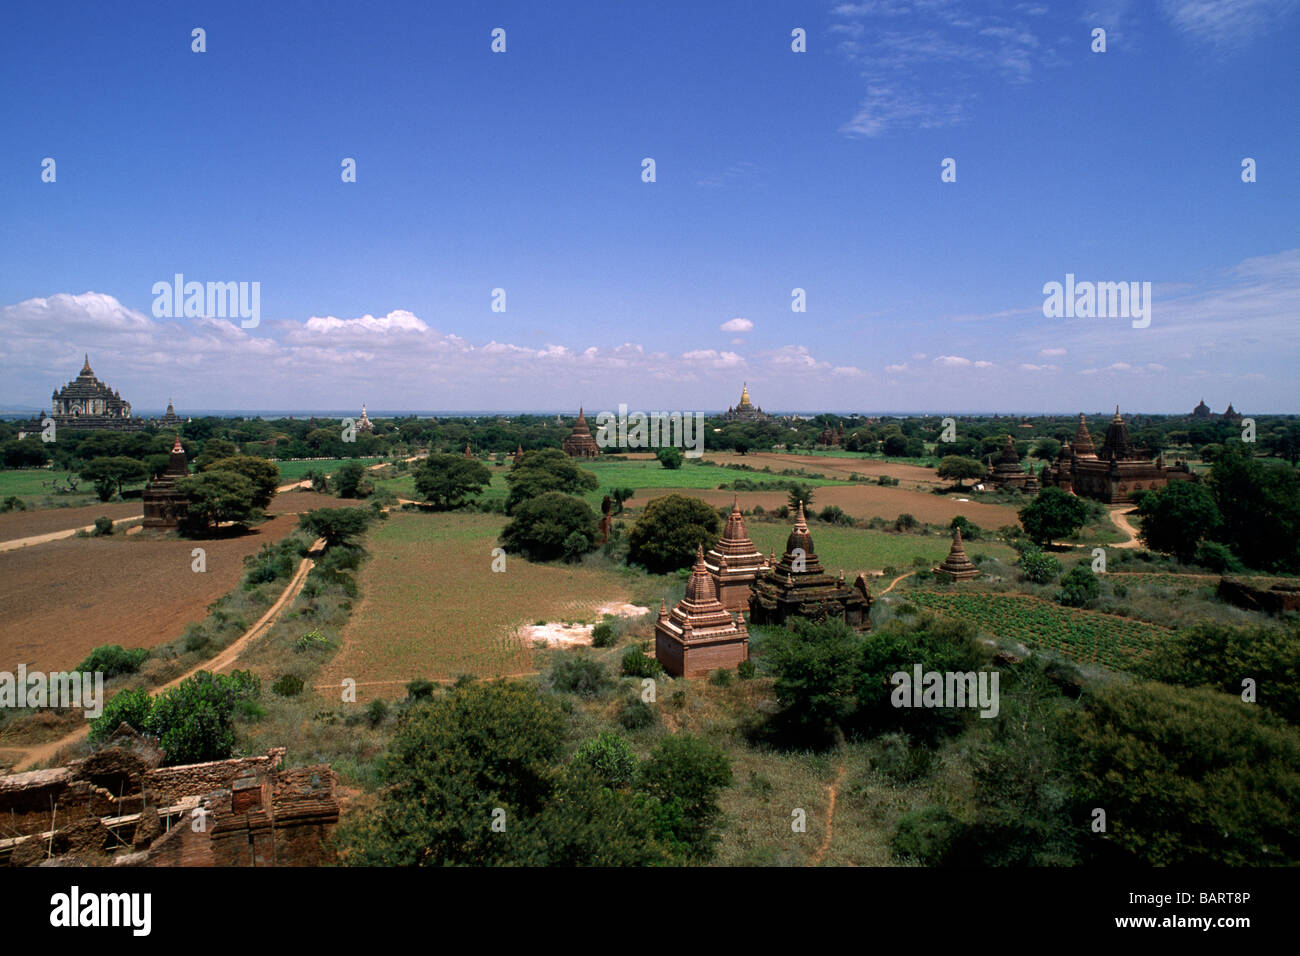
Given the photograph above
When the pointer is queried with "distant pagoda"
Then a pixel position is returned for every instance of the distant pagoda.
(957, 566)
(580, 444)
(364, 424)
(519, 453)
(734, 562)
(164, 506)
(1007, 473)
(746, 411)
(797, 586)
(88, 403)
(698, 635)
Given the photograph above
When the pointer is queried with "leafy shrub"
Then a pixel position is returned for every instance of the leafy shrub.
(746, 669)
(610, 757)
(112, 660)
(377, 712)
(834, 514)
(312, 640)
(905, 522)
(722, 677)
(1218, 558)
(1038, 567)
(925, 835)
(581, 675)
(420, 689)
(1078, 587)
(899, 760)
(12, 503)
(637, 663)
(636, 714)
(129, 707)
(604, 634)
(103, 526)
(288, 685)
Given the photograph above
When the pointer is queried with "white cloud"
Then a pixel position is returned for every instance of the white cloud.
(737, 325)
(1052, 353)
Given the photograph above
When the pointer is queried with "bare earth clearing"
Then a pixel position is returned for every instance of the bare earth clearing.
(432, 606)
(64, 598)
(24, 524)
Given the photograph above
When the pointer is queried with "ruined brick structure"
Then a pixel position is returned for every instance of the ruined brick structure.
(120, 807)
(698, 635)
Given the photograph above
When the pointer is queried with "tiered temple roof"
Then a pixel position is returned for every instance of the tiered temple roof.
(698, 635)
(365, 424)
(798, 586)
(86, 402)
(580, 444)
(1115, 473)
(734, 562)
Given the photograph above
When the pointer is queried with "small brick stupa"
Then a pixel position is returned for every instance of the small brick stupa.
(734, 562)
(698, 635)
(957, 566)
(164, 506)
(798, 586)
(580, 444)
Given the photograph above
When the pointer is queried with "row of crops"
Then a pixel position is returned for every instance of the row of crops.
(1086, 636)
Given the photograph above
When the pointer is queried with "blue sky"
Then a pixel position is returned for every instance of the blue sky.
(775, 170)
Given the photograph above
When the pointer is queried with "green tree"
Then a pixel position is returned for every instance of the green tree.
(671, 458)
(263, 474)
(610, 756)
(800, 491)
(130, 707)
(215, 449)
(685, 775)
(815, 667)
(541, 527)
(194, 721)
(960, 469)
(1054, 513)
(669, 531)
(1176, 518)
(620, 495)
(216, 497)
(448, 481)
(350, 480)
(338, 526)
(1038, 567)
(547, 469)
(110, 474)
(1079, 585)
(1259, 502)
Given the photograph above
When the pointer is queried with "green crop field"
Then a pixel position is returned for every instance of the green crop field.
(857, 549)
(1089, 637)
(297, 470)
(651, 474)
(35, 485)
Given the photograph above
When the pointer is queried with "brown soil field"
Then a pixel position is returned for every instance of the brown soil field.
(290, 502)
(860, 501)
(62, 599)
(830, 467)
(432, 607)
(25, 524)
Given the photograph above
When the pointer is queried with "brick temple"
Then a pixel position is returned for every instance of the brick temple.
(1008, 474)
(580, 444)
(698, 636)
(1114, 473)
(164, 506)
(798, 586)
(734, 562)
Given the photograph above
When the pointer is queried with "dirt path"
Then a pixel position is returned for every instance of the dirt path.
(15, 543)
(227, 657)
(831, 792)
(896, 580)
(1120, 520)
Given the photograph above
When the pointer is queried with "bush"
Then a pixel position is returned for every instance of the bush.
(746, 669)
(288, 685)
(834, 514)
(12, 503)
(113, 660)
(377, 712)
(925, 835)
(610, 757)
(905, 522)
(899, 760)
(103, 526)
(1038, 567)
(1218, 558)
(581, 675)
(970, 531)
(685, 774)
(420, 689)
(670, 458)
(668, 533)
(131, 707)
(721, 677)
(1078, 587)
(543, 527)
(636, 714)
(604, 634)
(637, 663)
